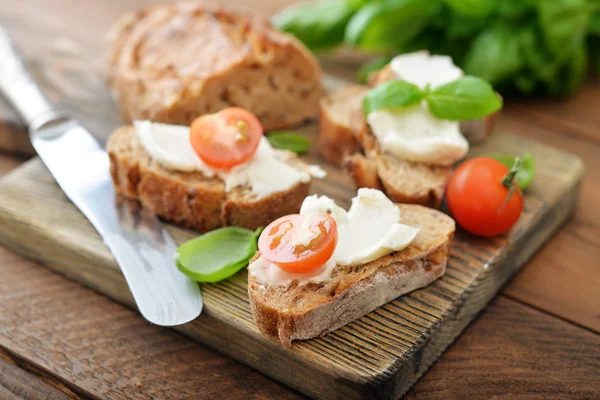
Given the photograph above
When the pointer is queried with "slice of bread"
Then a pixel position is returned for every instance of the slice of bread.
(172, 63)
(311, 310)
(191, 199)
(475, 131)
(337, 125)
(402, 181)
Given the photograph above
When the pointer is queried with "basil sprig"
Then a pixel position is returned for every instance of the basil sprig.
(217, 255)
(464, 99)
(392, 95)
(287, 140)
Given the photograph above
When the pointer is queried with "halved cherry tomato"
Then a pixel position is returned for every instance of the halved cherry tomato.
(227, 138)
(479, 200)
(299, 244)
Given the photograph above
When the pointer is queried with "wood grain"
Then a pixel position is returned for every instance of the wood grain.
(378, 356)
(513, 351)
(104, 350)
(18, 383)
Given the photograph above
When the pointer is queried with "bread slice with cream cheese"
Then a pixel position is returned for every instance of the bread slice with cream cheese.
(298, 311)
(192, 199)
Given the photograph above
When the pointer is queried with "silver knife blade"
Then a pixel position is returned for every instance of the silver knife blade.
(140, 243)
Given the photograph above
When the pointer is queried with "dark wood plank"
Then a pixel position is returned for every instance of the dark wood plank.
(514, 351)
(101, 349)
(18, 383)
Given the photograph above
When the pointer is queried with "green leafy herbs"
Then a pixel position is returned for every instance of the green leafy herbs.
(466, 98)
(387, 25)
(217, 255)
(287, 140)
(524, 46)
(526, 170)
(476, 8)
(392, 95)
(319, 25)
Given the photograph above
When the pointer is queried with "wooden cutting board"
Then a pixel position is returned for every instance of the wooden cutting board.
(378, 356)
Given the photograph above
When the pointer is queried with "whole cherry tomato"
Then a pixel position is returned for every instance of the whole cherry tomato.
(483, 197)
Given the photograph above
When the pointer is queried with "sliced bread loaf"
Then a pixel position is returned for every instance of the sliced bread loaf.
(172, 63)
(303, 312)
(191, 199)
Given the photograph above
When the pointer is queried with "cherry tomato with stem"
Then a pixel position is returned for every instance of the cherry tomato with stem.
(483, 196)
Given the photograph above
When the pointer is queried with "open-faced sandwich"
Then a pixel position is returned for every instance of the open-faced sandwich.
(325, 267)
(340, 113)
(173, 63)
(407, 134)
(221, 171)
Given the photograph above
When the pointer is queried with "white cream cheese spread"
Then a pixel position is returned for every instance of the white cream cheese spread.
(369, 230)
(267, 172)
(414, 134)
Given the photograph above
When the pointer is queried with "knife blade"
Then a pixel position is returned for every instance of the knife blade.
(141, 245)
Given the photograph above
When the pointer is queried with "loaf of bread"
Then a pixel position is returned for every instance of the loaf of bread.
(172, 63)
(191, 199)
(314, 309)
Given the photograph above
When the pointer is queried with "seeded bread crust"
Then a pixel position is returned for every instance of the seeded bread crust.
(304, 312)
(191, 199)
(172, 63)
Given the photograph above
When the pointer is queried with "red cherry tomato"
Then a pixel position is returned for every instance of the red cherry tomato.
(477, 197)
(299, 244)
(227, 138)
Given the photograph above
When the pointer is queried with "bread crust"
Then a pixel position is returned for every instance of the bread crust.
(348, 299)
(338, 126)
(222, 59)
(191, 199)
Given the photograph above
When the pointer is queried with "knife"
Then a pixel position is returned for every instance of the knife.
(139, 242)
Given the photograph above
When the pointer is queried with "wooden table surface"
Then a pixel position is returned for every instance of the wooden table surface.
(539, 339)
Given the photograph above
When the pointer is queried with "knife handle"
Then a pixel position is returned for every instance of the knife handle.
(19, 88)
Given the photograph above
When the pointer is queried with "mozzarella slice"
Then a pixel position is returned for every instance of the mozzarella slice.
(266, 172)
(414, 134)
(420, 68)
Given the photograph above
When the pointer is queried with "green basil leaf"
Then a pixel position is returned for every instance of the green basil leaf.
(563, 24)
(494, 55)
(319, 25)
(473, 8)
(217, 255)
(526, 172)
(371, 66)
(466, 98)
(287, 140)
(387, 25)
(391, 95)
